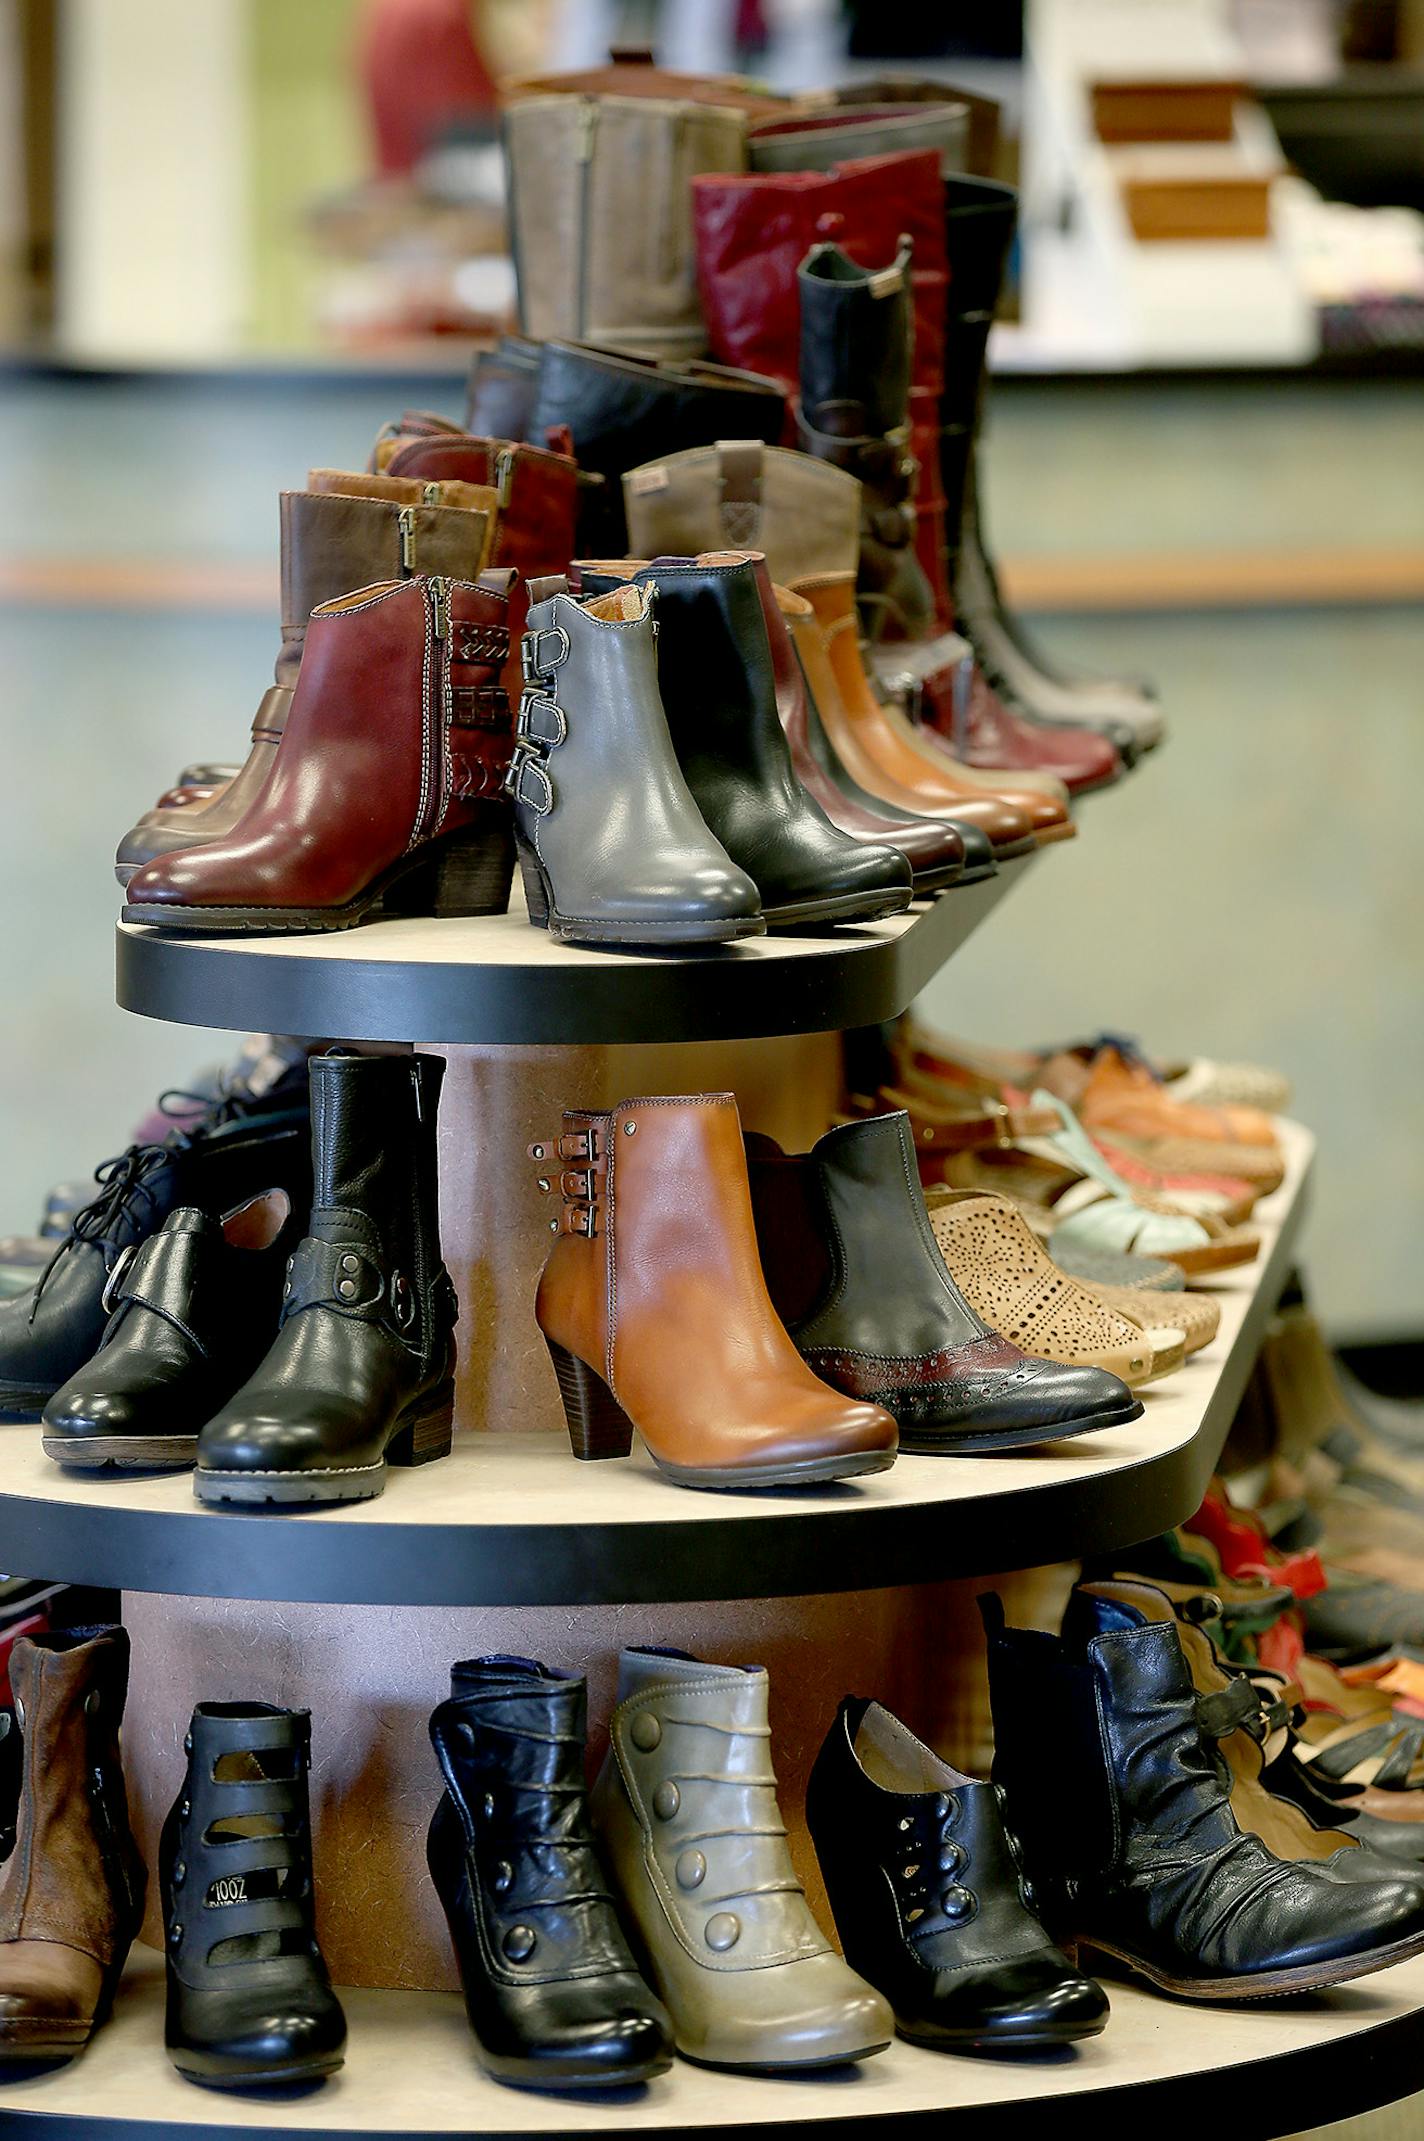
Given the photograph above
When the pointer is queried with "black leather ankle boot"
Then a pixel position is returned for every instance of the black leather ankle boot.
(554, 1997)
(193, 1312)
(361, 1372)
(860, 1282)
(857, 347)
(239, 1147)
(929, 1897)
(718, 687)
(249, 2000)
(1123, 1800)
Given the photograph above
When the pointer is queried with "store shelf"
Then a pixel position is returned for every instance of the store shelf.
(497, 980)
(511, 1519)
(410, 2073)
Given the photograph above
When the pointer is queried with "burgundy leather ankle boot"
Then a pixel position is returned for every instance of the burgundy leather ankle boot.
(386, 790)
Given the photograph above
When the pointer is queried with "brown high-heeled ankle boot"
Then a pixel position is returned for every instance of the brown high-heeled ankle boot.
(386, 794)
(71, 1893)
(656, 1313)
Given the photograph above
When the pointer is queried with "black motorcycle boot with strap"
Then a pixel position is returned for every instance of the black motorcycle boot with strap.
(1122, 1798)
(553, 1994)
(857, 349)
(361, 1372)
(242, 1145)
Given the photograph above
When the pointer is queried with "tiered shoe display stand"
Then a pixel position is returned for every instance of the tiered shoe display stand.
(357, 1612)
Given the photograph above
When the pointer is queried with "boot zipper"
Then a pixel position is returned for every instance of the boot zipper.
(431, 494)
(440, 606)
(587, 129)
(503, 476)
(405, 521)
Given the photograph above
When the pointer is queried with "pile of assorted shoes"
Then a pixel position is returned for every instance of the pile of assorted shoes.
(700, 576)
(959, 1265)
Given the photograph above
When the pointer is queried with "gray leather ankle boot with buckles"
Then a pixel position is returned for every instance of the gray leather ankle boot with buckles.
(612, 846)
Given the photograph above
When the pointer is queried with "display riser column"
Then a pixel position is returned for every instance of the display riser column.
(371, 1675)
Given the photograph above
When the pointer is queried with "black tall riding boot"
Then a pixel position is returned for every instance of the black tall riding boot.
(1122, 1800)
(857, 350)
(553, 1994)
(979, 219)
(361, 1372)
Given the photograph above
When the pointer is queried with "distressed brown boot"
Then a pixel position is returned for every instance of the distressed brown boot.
(71, 1893)
(331, 543)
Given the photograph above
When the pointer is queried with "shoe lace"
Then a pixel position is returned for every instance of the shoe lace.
(125, 1189)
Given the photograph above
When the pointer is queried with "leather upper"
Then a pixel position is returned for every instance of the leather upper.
(233, 2014)
(192, 1315)
(239, 1150)
(620, 412)
(928, 1892)
(550, 1985)
(686, 1804)
(856, 1275)
(399, 728)
(669, 1245)
(1130, 1829)
(802, 514)
(718, 687)
(368, 1311)
(599, 793)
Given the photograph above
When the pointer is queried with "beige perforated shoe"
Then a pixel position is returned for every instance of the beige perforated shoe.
(1196, 1316)
(1010, 1280)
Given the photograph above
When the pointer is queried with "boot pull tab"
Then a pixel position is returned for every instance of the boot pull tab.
(416, 1092)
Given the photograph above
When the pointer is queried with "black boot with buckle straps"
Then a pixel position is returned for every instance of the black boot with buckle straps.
(612, 846)
(243, 1144)
(249, 1999)
(857, 330)
(554, 1997)
(194, 1311)
(361, 1372)
(929, 1895)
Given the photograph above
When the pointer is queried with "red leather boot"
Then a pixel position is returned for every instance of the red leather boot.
(386, 794)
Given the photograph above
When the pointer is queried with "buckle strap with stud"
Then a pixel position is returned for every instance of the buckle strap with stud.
(542, 650)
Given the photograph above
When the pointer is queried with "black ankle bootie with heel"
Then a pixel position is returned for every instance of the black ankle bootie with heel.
(361, 1372)
(554, 1996)
(249, 2000)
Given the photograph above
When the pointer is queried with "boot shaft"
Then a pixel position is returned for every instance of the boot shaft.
(684, 1253)
(802, 514)
(333, 542)
(979, 224)
(374, 1141)
(74, 1876)
(405, 682)
(857, 343)
(535, 491)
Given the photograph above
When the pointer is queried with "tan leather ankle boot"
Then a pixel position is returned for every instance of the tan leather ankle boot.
(71, 1893)
(656, 1313)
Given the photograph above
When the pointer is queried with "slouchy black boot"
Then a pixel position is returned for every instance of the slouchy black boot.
(249, 2000)
(1123, 1802)
(554, 1997)
(856, 1275)
(361, 1371)
(857, 347)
